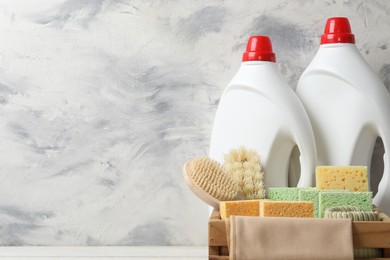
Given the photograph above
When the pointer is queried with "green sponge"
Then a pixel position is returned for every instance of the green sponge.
(313, 195)
(362, 200)
(285, 193)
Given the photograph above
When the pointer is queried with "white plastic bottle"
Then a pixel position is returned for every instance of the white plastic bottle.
(348, 105)
(260, 111)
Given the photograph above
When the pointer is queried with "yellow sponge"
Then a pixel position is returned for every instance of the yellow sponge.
(300, 209)
(239, 208)
(352, 178)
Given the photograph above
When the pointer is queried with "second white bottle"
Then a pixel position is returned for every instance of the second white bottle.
(260, 111)
(348, 105)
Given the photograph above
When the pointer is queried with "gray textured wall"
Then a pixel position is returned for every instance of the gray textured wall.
(101, 102)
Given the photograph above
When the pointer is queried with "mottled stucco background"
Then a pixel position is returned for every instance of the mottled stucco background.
(102, 101)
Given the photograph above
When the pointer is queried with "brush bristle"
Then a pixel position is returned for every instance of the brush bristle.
(210, 176)
(243, 165)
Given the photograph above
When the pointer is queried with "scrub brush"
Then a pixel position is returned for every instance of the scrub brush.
(208, 180)
(243, 165)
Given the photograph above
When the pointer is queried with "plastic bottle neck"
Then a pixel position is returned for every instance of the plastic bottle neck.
(257, 62)
(336, 45)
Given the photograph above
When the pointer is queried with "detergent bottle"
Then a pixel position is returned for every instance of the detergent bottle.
(260, 111)
(348, 105)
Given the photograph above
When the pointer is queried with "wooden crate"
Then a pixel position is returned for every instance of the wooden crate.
(366, 234)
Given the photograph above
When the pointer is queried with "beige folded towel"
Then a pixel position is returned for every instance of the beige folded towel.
(256, 238)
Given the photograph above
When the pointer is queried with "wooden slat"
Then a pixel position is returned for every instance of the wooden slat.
(368, 234)
(223, 250)
(386, 252)
(213, 250)
(217, 233)
(213, 257)
(371, 258)
(215, 214)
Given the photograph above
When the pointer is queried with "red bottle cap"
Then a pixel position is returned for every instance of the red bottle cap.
(259, 48)
(337, 30)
